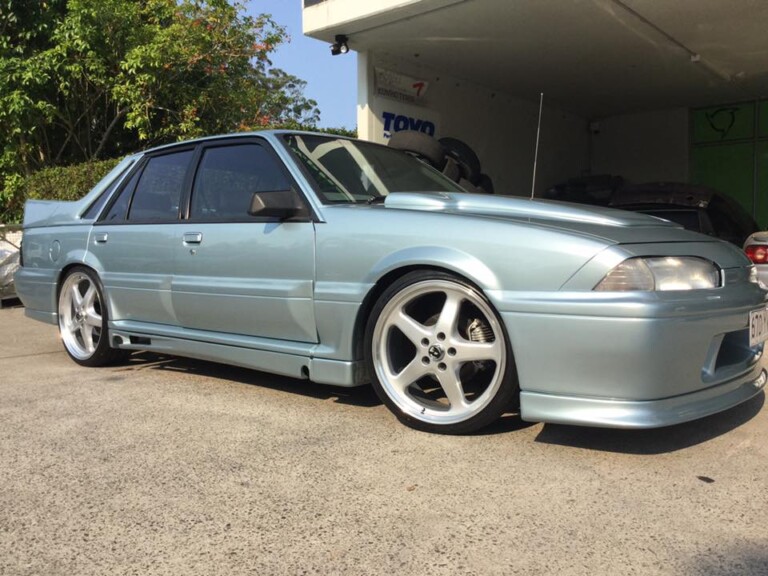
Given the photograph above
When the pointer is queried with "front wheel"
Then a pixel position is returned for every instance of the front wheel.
(440, 354)
(83, 319)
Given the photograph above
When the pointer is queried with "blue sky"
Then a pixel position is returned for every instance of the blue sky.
(331, 80)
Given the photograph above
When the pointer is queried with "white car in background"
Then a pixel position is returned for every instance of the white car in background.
(756, 248)
(9, 262)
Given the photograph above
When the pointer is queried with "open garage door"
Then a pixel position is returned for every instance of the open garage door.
(627, 85)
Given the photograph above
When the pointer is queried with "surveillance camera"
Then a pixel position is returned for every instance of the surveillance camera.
(340, 45)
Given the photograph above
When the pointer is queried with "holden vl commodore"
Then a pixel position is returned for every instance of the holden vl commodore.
(346, 263)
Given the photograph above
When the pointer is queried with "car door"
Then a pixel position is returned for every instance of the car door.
(134, 240)
(236, 273)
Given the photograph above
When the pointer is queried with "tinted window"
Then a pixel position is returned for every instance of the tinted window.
(98, 204)
(159, 189)
(119, 209)
(228, 177)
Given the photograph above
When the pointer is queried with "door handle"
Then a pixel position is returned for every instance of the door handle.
(100, 237)
(193, 237)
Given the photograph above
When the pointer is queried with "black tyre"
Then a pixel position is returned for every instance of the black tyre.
(420, 144)
(485, 184)
(466, 157)
(83, 319)
(439, 354)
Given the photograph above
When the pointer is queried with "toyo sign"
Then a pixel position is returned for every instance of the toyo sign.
(391, 117)
(397, 122)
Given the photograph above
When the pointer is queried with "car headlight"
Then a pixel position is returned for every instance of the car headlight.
(670, 273)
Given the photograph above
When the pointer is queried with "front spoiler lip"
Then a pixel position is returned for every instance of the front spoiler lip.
(612, 413)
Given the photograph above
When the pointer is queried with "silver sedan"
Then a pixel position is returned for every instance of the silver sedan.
(349, 263)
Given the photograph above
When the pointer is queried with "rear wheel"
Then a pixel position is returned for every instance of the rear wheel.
(83, 320)
(440, 355)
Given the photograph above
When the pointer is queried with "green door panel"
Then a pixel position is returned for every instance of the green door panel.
(723, 123)
(728, 168)
(761, 208)
(762, 130)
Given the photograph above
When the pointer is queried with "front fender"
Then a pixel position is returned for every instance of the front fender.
(451, 259)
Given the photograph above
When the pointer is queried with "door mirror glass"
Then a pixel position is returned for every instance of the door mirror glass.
(282, 204)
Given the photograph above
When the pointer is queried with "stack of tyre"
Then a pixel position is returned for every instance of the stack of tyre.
(451, 156)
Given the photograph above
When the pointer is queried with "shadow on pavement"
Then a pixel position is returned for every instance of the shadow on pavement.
(656, 440)
(746, 559)
(653, 441)
(508, 423)
(358, 396)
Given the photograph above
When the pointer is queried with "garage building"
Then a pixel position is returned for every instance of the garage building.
(649, 90)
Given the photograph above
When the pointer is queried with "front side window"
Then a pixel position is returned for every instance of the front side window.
(159, 188)
(352, 171)
(229, 176)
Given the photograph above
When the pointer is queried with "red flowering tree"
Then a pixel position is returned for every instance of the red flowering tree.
(83, 79)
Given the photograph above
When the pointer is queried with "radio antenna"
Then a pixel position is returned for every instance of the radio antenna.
(536, 152)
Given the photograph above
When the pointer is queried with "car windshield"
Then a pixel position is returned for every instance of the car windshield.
(352, 171)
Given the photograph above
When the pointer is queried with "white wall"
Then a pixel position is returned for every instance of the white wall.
(643, 147)
(500, 128)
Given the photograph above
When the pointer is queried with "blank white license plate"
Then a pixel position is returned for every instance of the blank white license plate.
(758, 326)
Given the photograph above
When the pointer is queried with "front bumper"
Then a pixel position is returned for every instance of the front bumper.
(634, 360)
(613, 413)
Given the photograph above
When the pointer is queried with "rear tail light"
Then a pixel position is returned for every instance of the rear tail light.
(758, 253)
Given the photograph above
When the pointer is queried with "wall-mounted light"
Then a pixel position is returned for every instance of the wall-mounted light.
(340, 45)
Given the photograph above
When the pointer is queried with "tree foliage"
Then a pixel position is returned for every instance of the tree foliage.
(53, 183)
(87, 79)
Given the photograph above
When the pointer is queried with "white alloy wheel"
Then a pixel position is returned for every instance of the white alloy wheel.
(83, 321)
(439, 354)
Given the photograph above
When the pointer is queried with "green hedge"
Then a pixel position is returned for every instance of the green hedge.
(58, 183)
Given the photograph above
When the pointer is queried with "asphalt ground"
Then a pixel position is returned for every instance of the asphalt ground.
(175, 466)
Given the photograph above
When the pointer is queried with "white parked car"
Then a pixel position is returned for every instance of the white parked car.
(756, 248)
(9, 262)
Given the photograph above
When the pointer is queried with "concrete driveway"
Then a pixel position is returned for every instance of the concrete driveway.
(174, 466)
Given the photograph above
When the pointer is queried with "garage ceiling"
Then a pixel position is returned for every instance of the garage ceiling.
(595, 58)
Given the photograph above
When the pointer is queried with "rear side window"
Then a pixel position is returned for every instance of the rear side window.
(119, 209)
(229, 176)
(159, 189)
(116, 174)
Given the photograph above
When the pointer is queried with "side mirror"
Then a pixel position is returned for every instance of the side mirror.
(282, 204)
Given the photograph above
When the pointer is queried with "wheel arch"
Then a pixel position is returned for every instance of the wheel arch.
(460, 265)
(65, 271)
(63, 274)
(92, 348)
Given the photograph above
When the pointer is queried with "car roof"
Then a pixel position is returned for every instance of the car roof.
(234, 135)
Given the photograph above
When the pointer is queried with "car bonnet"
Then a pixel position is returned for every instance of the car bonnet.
(614, 226)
